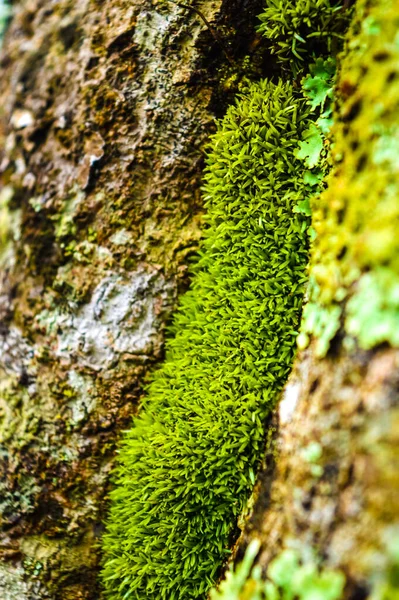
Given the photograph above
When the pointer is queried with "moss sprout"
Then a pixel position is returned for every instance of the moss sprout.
(188, 464)
(298, 29)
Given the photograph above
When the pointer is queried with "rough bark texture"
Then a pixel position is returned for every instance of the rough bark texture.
(105, 109)
(330, 479)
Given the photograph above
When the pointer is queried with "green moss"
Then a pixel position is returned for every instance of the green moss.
(298, 29)
(355, 260)
(286, 579)
(187, 466)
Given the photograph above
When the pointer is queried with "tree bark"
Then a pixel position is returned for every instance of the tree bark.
(329, 481)
(106, 107)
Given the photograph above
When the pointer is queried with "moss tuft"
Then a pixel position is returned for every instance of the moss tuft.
(299, 29)
(188, 464)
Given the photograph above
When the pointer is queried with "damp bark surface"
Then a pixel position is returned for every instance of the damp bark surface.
(328, 485)
(105, 111)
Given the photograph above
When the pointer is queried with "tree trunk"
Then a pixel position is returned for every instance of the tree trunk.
(329, 480)
(106, 107)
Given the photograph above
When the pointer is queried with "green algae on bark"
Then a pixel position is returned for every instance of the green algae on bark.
(188, 464)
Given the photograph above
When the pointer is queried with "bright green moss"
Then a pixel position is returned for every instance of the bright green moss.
(355, 262)
(299, 29)
(188, 464)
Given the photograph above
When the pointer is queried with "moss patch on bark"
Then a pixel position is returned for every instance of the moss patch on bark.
(188, 464)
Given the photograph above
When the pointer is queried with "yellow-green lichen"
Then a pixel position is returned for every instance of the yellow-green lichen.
(355, 259)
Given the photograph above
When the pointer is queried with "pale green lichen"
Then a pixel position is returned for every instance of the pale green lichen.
(372, 313)
(287, 578)
(64, 220)
(312, 454)
(314, 147)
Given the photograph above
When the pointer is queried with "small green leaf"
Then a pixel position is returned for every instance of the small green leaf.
(310, 147)
(313, 178)
(303, 207)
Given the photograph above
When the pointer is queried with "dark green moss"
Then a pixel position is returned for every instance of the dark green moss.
(188, 464)
(299, 29)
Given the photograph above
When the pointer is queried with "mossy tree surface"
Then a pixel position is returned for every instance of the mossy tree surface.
(334, 494)
(189, 462)
(105, 109)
